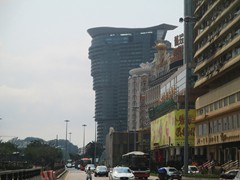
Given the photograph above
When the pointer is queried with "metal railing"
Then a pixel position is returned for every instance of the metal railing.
(20, 174)
(230, 165)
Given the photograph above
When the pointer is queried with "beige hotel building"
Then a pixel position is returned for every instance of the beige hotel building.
(217, 65)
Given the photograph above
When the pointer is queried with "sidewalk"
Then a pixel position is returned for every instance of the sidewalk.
(185, 178)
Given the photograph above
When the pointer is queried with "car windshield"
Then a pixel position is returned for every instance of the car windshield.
(193, 168)
(122, 170)
(172, 170)
(102, 168)
(233, 173)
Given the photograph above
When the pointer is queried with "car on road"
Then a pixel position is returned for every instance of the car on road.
(169, 173)
(233, 174)
(192, 169)
(101, 171)
(69, 165)
(77, 165)
(92, 167)
(121, 172)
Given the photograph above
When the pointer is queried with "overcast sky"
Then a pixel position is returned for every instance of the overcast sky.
(44, 66)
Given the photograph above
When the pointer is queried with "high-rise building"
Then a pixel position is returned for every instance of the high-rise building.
(137, 85)
(113, 52)
(217, 60)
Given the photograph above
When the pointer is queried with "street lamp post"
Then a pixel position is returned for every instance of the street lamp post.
(70, 135)
(67, 121)
(188, 55)
(84, 125)
(95, 145)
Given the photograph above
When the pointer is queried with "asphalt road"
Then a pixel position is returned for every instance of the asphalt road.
(74, 174)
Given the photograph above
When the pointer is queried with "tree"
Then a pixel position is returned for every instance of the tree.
(39, 153)
(74, 157)
(90, 150)
(7, 149)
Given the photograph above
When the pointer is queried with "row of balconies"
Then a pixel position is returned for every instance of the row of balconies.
(217, 65)
(206, 48)
(229, 59)
(213, 15)
(202, 6)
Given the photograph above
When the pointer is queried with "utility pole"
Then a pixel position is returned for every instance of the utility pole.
(70, 135)
(188, 55)
(84, 125)
(95, 144)
(66, 148)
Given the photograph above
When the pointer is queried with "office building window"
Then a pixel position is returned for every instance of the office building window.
(200, 111)
(224, 124)
(220, 124)
(200, 129)
(232, 99)
(238, 96)
(204, 129)
(238, 119)
(220, 104)
(215, 126)
(216, 105)
(211, 107)
(230, 122)
(235, 121)
(225, 101)
(206, 109)
(210, 127)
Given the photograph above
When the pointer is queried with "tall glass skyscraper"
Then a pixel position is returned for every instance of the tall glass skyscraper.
(113, 52)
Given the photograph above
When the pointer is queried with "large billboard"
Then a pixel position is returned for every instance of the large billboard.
(168, 130)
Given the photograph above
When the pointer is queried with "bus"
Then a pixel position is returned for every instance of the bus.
(83, 162)
(138, 162)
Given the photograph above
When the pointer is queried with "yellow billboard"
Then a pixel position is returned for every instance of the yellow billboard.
(168, 130)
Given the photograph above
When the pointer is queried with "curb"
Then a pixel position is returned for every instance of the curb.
(60, 175)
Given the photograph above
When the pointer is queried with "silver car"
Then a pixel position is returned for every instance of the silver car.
(101, 171)
(91, 166)
(120, 172)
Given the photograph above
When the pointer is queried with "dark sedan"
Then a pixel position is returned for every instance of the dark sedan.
(101, 171)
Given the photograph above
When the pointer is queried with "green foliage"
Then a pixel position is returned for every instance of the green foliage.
(10, 157)
(42, 154)
(90, 149)
(200, 176)
(74, 157)
(7, 148)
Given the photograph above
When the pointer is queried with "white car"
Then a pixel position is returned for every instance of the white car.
(101, 171)
(171, 172)
(69, 165)
(231, 174)
(121, 172)
(92, 167)
(192, 169)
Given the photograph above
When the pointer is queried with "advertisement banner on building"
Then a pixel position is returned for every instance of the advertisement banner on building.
(168, 130)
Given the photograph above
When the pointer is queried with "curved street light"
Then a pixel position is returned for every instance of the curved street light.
(95, 145)
(70, 135)
(66, 121)
(84, 125)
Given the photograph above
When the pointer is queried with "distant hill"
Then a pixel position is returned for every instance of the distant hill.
(61, 143)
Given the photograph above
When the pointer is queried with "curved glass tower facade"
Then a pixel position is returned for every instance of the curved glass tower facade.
(113, 52)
